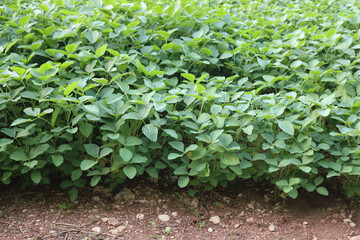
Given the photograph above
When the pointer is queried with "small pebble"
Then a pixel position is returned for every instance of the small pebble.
(164, 217)
(272, 228)
(352, 225)
(215, 219)
(210, 230)
(250, 220)
(174, 214)
(96, 229)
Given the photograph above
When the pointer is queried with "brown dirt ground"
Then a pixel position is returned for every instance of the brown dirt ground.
(244, 210)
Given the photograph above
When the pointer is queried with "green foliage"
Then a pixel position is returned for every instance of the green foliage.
(208, 91)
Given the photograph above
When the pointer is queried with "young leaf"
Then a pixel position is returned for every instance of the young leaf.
(125, 154)
(286, 126)
(92, 149)
(87, 164)
(150, 131)
(101, 50)
(73, 194)
(230, 159)
(57, 160)
(130, 172)
(36, 176)
(183, 181)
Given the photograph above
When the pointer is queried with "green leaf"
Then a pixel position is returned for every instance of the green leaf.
(31, 164)
(5, 141)
(86, 129)
(225, 140)
(20, 121)
(105, 151)
(330, 33)
(95, 180)
(76, 174)
(87, 164)
(230, 159)
(57, 160)
(92, 36)
(71, 48)
(322, 191)
(133, 141)
(36, 176)
(150, 131)
(294, 181)
(70, 88)
(172, 156)
(171, 132)
(226, 55)
(139, 159)
(73, 194)
(188, 76)
(125, 154)
(92, 109)
(177, 145)
(19, 155)
(293, 193)
(24, 20)
(152, 172)
(101, 50)
(286, 126)
(38, 150)
(183, 181)
(92, 149)
(130, 172)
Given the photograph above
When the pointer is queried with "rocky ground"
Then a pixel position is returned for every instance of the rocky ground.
(147, 210)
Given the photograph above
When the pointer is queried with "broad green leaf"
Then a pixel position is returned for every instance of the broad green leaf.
(57, 160)
(19, 155)
(87, 164)
(150, 131)
(24, 20)
(183, 181)
(188, 76)
(73, 194)
(130, 172)
(76, 174)
(86, 129)
(152, 172)
(20, 121)
(5, 141)
(171, 132)
(286, 126)
(92, 36)
(177, 145)
(95, 180)
(92, 149)
(330, 32)
(36, 176)
(230, 159)
(101, 50)
(133, 141)
(38, 150)
(226, 55)
(71, 48)
(70, 88)
(322, 191)
(105, 151)
(125, 154)
(225, 140)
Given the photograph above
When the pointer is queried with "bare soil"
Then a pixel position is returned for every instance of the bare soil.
(245, 212)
